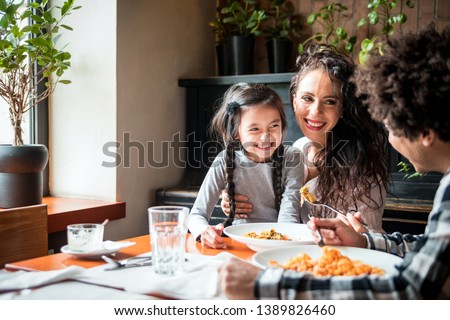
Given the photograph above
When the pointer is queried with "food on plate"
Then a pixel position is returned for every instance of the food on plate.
(330, 263)
(306, 195)
(267, 235)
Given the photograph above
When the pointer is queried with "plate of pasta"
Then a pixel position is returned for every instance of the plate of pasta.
(261, 236)
(329, 261)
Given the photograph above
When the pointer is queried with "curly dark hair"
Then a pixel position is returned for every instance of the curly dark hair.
(364, 160)
(409, 85)
(225, 125)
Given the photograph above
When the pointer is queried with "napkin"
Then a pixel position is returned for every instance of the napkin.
(72, 290)
(198, 281)
(20, 280)
(113, 245)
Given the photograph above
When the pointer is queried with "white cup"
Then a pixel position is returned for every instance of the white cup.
(85, 237)
(168, 238)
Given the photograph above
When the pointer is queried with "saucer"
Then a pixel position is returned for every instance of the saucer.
(108, 247)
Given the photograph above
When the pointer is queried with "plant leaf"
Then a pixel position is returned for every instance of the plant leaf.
(362, 22)
(66, 27)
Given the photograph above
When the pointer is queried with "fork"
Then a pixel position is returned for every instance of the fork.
(323, 205)
(125, 263)
(332, 209)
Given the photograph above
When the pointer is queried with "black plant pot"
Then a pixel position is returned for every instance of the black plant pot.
(240, 54)
(223, 66)
(21, 170)
(279, 54)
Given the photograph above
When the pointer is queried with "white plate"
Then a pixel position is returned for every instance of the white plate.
(108, 247)
(379, 259)
(298, 233)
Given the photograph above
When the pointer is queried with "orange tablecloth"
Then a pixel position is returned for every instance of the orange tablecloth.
(62, 260)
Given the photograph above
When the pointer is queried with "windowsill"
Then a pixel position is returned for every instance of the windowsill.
(64, 211)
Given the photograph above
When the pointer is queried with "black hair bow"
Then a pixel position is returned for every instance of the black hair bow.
(231, 107)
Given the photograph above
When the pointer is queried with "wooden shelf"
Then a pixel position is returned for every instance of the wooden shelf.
(64, 211)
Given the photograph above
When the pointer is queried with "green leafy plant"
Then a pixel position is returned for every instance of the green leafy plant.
(282, 22)
(243, 17)
(328, 17)
(381, 12)
(406, 168)
(219, 27)
(29, 57)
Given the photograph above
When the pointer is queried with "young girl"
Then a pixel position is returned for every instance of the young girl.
(251, 123)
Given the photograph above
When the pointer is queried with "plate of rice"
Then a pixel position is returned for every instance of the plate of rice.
(329, 260)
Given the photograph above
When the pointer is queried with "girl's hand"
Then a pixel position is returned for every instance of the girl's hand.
(243, 207)
(336, 232)
(211, 237)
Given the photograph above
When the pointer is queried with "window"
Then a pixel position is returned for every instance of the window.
(6, 130)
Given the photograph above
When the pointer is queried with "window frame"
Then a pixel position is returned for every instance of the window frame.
(39, 127)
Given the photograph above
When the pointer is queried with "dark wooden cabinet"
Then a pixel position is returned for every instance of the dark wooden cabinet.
(408, 203)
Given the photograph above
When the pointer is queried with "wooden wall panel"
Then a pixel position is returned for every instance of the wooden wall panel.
(443, 9)
(443, 13)
(412, 23)
(426, 12)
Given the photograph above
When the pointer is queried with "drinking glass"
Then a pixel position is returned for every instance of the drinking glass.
(168, 238)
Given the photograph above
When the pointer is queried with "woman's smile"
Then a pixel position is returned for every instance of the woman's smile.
(314, 124)
(317, 105)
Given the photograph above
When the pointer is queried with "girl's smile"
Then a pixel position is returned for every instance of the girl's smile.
(260, 132)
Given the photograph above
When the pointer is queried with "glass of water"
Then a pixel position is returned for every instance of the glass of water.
(168, 238)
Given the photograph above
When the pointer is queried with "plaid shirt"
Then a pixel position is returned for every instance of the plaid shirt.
(424, 273)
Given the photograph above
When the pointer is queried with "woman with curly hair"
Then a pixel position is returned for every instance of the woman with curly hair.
(348, 158)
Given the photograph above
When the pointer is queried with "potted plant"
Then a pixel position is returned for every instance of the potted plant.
(29, 58)
(381, 12)
(282, 27)
(242, 20)
(221, 37)
(328, 17)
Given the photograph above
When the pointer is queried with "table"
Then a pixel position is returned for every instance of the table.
(61, 260)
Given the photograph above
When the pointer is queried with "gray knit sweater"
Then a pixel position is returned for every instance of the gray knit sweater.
(255, 181)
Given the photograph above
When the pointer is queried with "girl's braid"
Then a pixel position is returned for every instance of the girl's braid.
(229, 170)
(277, 162)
